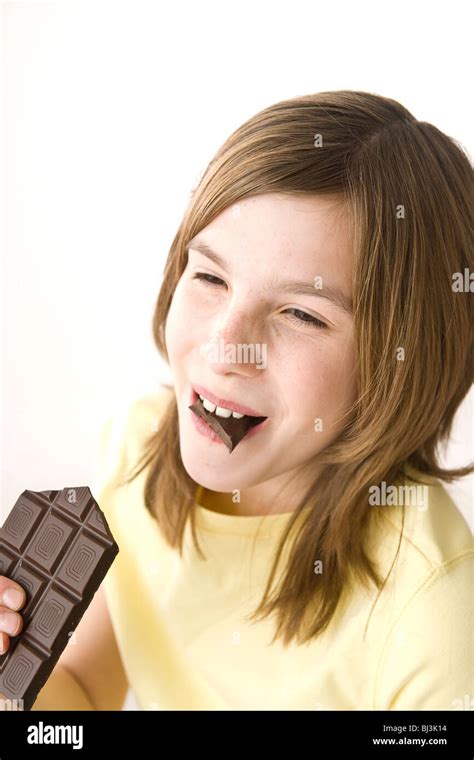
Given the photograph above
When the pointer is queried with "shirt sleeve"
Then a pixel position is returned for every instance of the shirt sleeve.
(427, 659)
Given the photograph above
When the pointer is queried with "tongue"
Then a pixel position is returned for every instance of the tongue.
(229, 429)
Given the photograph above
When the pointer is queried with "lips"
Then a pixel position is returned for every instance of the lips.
(228, 404)
(229, 429)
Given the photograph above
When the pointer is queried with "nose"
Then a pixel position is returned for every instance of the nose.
(236, 346)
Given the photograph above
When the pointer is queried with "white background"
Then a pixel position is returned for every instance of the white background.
(111, 110)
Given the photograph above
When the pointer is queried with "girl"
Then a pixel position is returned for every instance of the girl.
(285, 538)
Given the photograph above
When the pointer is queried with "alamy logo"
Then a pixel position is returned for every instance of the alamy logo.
(392, 496)
(41, 734)
(235, 353)
(11, 704)
(467, 703)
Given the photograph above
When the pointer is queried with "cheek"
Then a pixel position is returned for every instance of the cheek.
(177, 323)
(189, 318)
(338, 377)
(324, 382)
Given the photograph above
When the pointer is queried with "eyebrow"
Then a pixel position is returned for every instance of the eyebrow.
(300, 287)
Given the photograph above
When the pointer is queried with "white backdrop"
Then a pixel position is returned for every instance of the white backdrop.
(111, 110)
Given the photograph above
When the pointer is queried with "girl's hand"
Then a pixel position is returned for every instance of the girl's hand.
(12, 599)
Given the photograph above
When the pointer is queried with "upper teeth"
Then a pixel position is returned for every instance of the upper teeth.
(220, 411)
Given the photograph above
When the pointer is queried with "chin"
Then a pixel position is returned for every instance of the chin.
(216, 476)
(212, 466)
(205, 476)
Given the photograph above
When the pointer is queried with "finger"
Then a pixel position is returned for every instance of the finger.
(11, 594)
(4, 643)
(10, 622)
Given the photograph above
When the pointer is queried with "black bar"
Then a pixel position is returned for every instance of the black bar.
(316, 735)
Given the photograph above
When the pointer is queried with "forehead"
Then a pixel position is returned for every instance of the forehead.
(303, 232)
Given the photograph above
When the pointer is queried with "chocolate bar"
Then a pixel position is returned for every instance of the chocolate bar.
(58, 547)
(231, 430)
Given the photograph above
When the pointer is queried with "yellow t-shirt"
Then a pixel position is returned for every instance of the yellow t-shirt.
(179, 620)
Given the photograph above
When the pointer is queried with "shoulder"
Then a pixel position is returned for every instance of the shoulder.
(428, 613)
(426, 657)
(435, 533)
(142, 416)
(125, 430)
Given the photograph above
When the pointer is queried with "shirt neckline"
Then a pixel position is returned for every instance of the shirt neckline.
(243, 525)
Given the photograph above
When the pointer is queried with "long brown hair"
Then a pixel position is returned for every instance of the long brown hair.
(409, 189)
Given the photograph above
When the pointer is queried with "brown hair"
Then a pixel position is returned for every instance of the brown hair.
(409, 189)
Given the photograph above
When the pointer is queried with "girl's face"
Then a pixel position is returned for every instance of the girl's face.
(300, 372)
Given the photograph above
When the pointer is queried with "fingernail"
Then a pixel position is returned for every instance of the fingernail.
(13, 598)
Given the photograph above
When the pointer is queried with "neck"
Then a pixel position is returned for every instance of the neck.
(271, 497)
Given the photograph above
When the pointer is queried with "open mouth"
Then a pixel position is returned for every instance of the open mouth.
(231, 430)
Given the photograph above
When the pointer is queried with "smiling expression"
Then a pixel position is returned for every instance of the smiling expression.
(272, 271)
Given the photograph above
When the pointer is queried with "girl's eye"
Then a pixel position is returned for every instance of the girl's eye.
(202, 277)
(307, 319)
(304, 318)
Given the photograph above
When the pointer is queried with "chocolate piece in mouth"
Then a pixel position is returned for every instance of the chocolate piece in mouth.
(229, 429)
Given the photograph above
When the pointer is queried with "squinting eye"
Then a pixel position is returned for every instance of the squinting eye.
(306, 319)
(202, 277)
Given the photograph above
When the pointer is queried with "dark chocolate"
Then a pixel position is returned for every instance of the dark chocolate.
(230, 429)
(58, 546)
